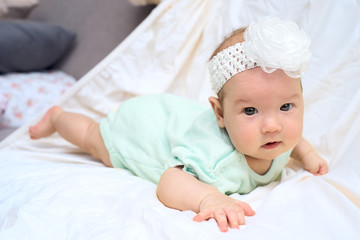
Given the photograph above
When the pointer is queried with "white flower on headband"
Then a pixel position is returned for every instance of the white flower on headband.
(278, 44)
(270, 43)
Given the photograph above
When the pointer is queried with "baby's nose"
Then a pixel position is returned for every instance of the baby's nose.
(270, 125)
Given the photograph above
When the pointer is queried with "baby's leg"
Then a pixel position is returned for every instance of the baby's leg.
(76, 128)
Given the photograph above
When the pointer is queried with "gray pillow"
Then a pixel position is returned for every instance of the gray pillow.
(32, 46)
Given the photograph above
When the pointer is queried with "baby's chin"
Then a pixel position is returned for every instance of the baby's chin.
(260, 157)
(268, 155)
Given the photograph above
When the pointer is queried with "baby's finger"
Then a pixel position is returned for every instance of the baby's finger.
(248, 211)
(221, 219)
(241, 217)
(202, 216)
(233, 218)
(323, 169)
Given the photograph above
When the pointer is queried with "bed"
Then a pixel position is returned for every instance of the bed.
(51, 190)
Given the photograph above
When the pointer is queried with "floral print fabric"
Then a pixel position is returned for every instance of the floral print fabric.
(24, 95)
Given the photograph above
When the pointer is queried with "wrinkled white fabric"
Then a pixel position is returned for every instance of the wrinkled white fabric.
(50, 190)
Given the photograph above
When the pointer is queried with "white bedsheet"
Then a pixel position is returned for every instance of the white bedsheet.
(50, 190)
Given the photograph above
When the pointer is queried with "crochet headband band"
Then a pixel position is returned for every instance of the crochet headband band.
(271, 44)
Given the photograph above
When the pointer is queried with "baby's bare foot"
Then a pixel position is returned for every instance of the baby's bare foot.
(45, 127)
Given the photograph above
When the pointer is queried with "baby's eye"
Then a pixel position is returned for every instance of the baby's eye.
(250, 111)
(286, 107)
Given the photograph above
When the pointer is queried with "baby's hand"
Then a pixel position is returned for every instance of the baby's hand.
(314, 163)
(225, 210)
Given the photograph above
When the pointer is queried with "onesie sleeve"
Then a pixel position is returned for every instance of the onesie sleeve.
(201, 149)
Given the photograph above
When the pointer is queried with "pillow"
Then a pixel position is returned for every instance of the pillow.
(3, 104)
(16, 8)
(25, 95)
(32, 46)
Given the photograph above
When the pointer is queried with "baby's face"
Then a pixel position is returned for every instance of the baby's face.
(263, 113)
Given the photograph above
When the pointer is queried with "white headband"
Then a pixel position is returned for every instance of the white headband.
(271, 44)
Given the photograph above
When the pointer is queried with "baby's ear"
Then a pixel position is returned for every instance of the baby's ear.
(216, 106)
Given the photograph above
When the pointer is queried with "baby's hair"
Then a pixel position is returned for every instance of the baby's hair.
(237, 36)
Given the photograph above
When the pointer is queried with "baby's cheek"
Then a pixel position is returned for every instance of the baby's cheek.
(243, 135)
(246, 139)
(294, 134)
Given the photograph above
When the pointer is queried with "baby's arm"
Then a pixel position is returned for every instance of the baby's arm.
(310, 159)
(180, 190)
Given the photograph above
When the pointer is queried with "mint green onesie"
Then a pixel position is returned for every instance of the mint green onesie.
(149, 134)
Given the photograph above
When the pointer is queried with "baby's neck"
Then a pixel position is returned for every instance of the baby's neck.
(260, 166)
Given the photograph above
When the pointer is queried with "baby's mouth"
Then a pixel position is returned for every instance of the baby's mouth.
(271, 145)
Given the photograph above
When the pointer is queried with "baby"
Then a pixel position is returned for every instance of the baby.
(198, 155)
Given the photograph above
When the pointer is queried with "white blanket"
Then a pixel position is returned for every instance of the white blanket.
(50, 190)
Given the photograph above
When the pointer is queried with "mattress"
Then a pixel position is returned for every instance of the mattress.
(51, 190)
